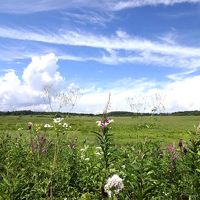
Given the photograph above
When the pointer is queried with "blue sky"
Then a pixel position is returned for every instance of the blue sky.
(143, 51)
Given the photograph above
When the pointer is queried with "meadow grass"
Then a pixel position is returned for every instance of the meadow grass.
(144, 153)
(125, 130)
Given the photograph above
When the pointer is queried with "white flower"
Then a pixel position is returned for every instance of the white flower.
(82, 150)
(57, 120)
(65, 125)
(98, 151)
(114, 185)
(47, 126)
(98, 123)
(123, 166)
(87, 159)
(19, 129)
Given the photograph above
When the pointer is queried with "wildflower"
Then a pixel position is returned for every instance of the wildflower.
(33, 147)
(57, 120)
(87, 159)
(174, 158)
(65, 125)
(114, 185)
(47, 126)
(104, 123)
(82, 150)
(171, 148)
(41, 139)
(37, 128)
(123, 166)
(30, 125)
(98, 151)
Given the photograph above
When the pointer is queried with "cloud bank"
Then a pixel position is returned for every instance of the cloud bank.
(25, 92)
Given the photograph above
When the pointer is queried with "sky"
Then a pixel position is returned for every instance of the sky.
(145, 54)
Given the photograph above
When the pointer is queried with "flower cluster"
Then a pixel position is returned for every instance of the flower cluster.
(66, 125)
(98, 151)
(114, 185)
(58, 120)
(47, 126)
(104, 122)
(83, 153)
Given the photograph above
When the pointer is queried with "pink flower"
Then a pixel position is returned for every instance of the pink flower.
(171, 148)
(104, 123)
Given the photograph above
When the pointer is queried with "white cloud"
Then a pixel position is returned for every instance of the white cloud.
(183, 94)
(24, 7)
(87, 17)
(120, 5)
(99, 41)
(25, 92)
(178, 95)
(42, 71)
(142, 50)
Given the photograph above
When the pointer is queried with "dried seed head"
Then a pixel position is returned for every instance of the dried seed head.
(180, 144)
(30, 125)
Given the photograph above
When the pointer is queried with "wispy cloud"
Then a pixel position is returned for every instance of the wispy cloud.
(180, 75)
(139, 49)
(141, 3)
(99, 41)
(85, 17)
(25, 7)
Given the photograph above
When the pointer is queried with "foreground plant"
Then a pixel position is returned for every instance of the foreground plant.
(104, 136)
(60, 129)
(113, 186)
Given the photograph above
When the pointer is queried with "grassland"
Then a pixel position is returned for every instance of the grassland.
(126, 130)
(61, 163)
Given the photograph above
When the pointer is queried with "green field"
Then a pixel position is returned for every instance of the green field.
(125, 130)
(144, 153)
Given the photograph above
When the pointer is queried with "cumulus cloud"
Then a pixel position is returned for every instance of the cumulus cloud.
(42, 71)
(25, 92)
(183, 94)
(177, 95)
